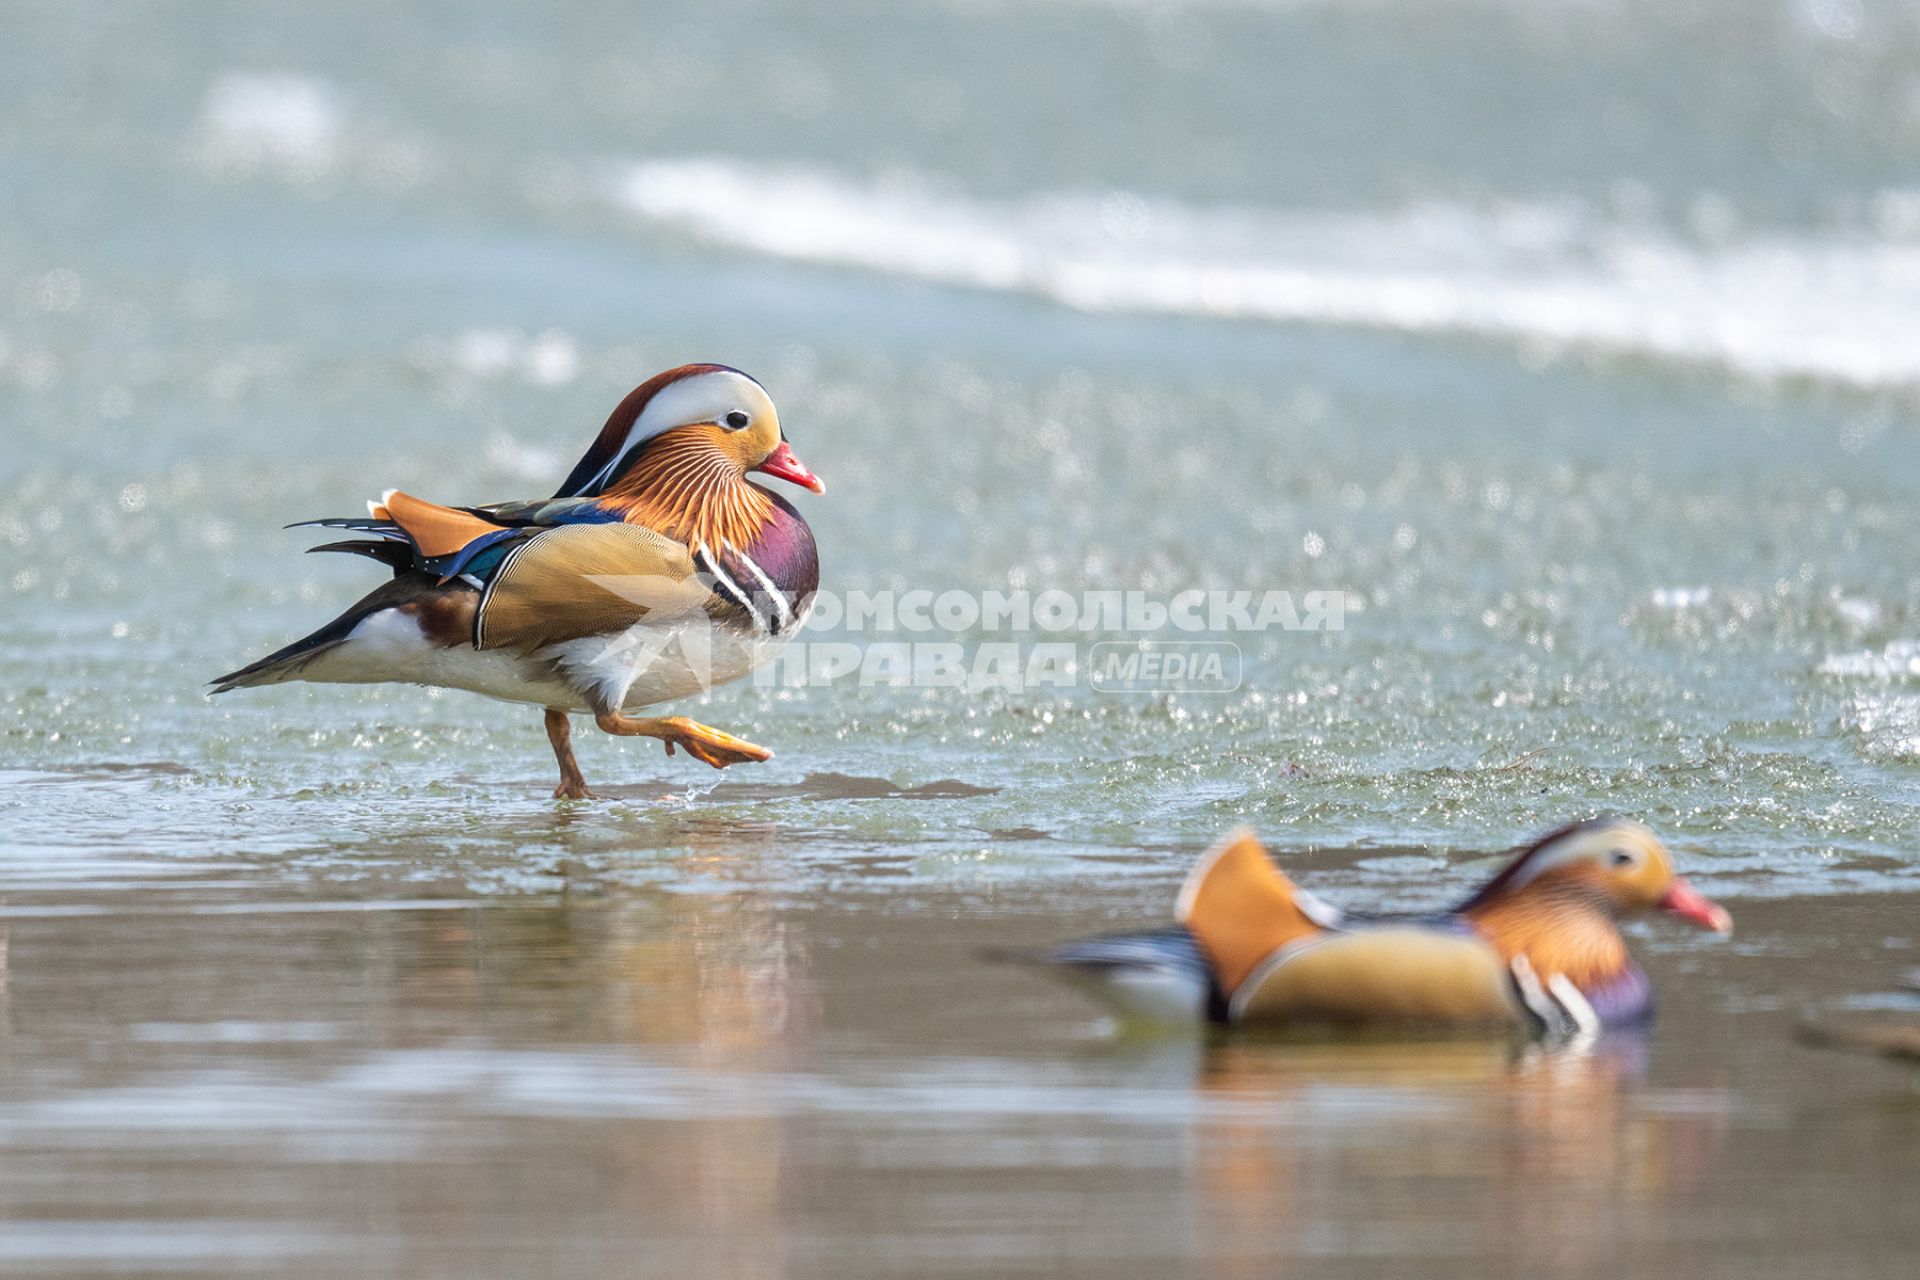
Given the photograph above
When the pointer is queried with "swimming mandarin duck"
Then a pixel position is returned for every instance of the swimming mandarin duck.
(656, 571)
(1537, 947)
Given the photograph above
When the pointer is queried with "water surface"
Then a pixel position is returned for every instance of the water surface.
(1572, 344)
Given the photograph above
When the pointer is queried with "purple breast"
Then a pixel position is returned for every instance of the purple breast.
(1623, 1000)
(782, 557)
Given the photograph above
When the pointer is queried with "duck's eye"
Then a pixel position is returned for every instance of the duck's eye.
(737, 420)
(1621, 857)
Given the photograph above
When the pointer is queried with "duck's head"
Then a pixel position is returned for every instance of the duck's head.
(1616, 864)
(709, 410)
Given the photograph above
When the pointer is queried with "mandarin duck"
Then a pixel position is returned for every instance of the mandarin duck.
(656, 571)
(1537, 947)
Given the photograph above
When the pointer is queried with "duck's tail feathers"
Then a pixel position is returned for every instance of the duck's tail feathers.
(292, 662)
(286, 664)
(396, 555)
(383, 528)
(1160, 976)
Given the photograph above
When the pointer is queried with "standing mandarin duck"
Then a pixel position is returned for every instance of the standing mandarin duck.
(1537, 947)
(657, 570)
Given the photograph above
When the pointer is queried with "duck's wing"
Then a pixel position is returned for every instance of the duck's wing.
(577, 581)
(1383, 974)
(1161, 976)
(547, 571)
(1241, 909)
(524, 582)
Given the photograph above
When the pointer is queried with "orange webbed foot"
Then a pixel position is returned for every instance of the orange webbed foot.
(713, 746)
(702, 742)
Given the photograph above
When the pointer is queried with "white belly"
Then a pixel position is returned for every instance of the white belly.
(636, 668)
(648, 664)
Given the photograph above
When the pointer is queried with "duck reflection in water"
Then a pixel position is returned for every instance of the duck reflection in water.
(1535, 1152)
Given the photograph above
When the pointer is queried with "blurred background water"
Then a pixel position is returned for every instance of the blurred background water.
(1574, 341)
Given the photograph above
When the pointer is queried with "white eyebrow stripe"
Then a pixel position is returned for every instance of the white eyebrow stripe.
(779, 597)
(695, 398)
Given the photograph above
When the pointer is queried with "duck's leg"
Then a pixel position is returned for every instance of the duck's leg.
(573, 783)
(701, 742)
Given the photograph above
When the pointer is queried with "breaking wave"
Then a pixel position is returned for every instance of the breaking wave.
(1836, 306)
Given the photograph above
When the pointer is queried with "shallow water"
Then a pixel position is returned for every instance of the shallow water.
(1572, 344)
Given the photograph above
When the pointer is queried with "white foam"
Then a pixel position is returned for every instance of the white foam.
(1897, 661)
(1834, 306)
(1887, 725)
